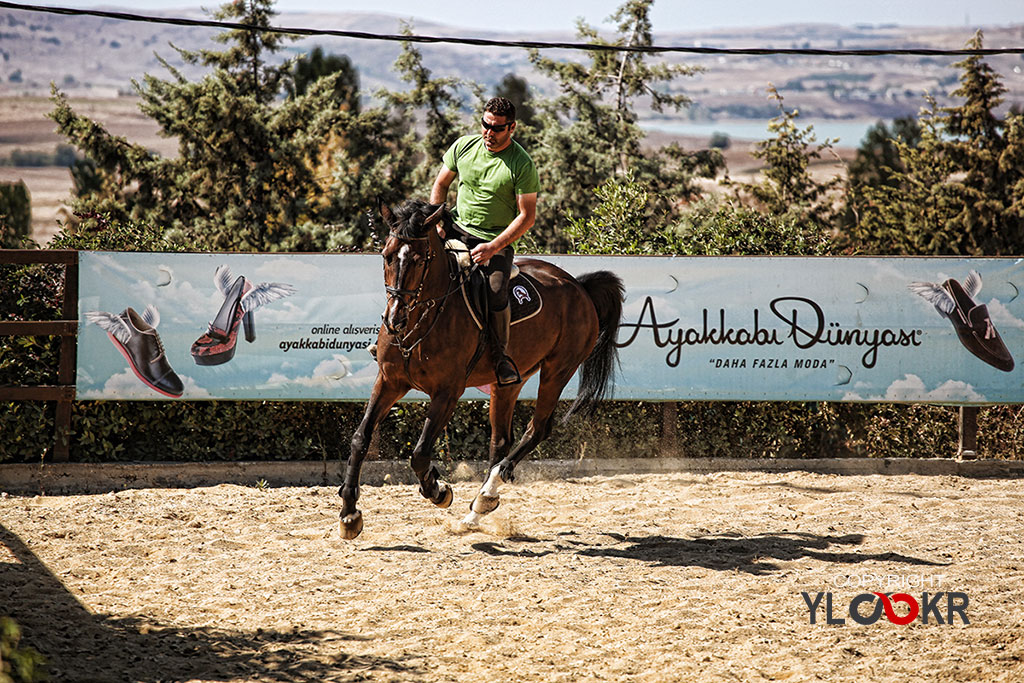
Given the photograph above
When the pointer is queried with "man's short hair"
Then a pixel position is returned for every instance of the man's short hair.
(500, 106)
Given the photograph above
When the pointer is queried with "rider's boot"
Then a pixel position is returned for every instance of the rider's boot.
(505, 370)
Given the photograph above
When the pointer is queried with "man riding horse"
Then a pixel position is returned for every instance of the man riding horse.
(426, 339)
(496, 205)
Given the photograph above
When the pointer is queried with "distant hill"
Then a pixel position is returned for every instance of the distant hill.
(88, 56)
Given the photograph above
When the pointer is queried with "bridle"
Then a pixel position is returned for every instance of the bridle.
(456, 281)
(401, 294)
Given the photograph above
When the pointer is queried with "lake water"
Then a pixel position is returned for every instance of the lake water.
(850, 132)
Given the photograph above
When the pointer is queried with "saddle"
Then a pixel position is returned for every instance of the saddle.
(523, 293)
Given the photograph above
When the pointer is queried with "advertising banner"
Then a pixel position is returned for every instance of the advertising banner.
(297, 326)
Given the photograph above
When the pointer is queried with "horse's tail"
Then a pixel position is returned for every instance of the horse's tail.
(597, 373)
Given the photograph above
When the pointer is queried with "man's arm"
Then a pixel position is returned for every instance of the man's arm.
(439, 192)
(517, 228)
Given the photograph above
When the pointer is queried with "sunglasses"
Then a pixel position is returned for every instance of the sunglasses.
(496, 128)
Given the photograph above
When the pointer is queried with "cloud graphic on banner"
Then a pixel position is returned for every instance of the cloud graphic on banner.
(126, 385)
(912, 388)
(145, 282)
(289, 270)
(1001, 315)
(335, 368)
(198, 302)
(177, 297)
(334, 371)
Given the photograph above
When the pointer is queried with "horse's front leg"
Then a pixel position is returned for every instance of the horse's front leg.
(442, 405)
(381, 400)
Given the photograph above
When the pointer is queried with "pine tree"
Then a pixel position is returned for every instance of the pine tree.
(960, 189)
(789, 188)
(976, 143)
(15, 215)
(249, 174)
(589, 132)
(878, 157)
(517, 91)
(310, 68)
(438, 101)
(245, 58)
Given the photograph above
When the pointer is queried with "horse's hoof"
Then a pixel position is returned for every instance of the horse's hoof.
(445, 498)
(483, 505)
(351, 525)
(507, 472)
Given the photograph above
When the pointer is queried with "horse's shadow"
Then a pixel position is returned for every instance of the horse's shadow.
(758, 554)
(80, 645)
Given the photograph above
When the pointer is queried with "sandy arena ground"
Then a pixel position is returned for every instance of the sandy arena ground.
(632, 578)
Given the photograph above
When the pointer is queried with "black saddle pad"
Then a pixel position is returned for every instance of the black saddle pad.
(523, 295)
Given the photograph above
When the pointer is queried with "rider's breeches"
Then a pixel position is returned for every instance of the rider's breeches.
(496, 272)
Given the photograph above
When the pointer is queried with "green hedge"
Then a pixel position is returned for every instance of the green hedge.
(248, 430)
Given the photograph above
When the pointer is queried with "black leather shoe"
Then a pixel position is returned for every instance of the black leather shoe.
(139, 343)
(507, 372)
(974, 327)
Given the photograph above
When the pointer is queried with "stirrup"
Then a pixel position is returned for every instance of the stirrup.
(507, 379)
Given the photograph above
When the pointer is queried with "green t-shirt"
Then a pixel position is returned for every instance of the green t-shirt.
(489, 183)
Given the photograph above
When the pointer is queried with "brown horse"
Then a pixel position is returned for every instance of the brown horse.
(429, 341)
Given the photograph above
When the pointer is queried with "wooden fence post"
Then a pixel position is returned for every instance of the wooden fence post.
(967, 425)
(669, 445)
(67, 370)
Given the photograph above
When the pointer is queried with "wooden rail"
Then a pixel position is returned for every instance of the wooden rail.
(67, 329)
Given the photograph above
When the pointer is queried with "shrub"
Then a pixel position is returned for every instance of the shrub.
(18, 664)
(717, 227)
(15, 215)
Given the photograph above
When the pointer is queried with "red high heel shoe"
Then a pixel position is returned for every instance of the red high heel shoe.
(217, 345)
(241, 299)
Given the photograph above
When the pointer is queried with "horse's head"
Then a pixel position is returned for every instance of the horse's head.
(411, 246)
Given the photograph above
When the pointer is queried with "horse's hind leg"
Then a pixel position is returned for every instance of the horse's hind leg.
(502, 407)
(502, 470)
(381, 400)
(431, 487)
(550, 390)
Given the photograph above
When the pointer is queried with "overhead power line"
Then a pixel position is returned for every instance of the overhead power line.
(540, 45)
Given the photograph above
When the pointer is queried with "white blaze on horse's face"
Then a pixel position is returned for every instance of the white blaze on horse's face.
(402, 278)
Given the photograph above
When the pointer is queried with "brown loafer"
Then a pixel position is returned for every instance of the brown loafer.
(974, 327)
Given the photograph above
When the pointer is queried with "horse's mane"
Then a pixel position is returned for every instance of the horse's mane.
(410, 217)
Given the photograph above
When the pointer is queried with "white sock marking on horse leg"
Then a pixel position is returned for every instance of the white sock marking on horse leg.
(489, 489)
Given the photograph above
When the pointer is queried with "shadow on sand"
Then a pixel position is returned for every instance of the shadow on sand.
(752, 554)
(82, 646)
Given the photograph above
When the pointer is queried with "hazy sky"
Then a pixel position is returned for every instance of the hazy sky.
(666, 15)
